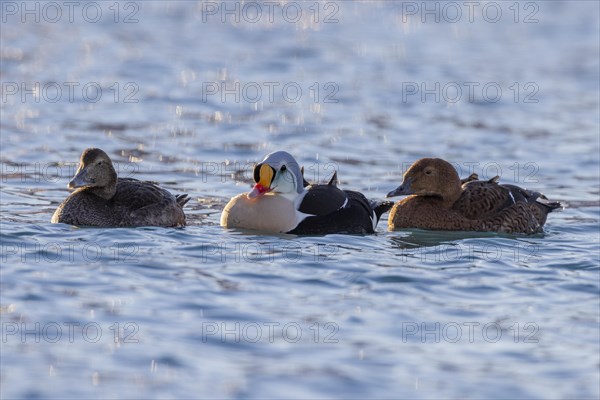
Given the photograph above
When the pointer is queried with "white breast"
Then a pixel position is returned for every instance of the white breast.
(268, 213)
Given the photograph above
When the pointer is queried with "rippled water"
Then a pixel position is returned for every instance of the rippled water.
(203, 312)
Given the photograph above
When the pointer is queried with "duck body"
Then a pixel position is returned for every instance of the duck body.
(350, 212)
(438, 200)
(135, 203)
(283, 202)
(101, 199)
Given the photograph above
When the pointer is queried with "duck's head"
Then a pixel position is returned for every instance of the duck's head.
(277, 173)
(430, 177)
(95, 171)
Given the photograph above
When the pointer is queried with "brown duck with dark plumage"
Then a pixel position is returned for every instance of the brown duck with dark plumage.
(439, 200)
(102, 199)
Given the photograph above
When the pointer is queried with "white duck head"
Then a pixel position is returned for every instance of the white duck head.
(278, 173)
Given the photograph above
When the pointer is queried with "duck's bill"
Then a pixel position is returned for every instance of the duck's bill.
(396, 192)
(79, 180)
(258, 190)
(263, 176)
(402, 190)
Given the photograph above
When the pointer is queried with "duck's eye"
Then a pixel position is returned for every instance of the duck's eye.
(99, 163)
(283, 168)
(428, 172)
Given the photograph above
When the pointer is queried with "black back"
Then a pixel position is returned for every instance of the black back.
(354, 218)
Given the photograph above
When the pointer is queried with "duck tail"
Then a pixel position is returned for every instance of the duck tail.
(381, 207)
(182, 199)
(471, 178)
(551, 205)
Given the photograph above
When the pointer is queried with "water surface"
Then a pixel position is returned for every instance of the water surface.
(203, 312)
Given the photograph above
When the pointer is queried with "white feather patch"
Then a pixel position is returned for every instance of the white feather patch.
(512, 197)
(345, 203)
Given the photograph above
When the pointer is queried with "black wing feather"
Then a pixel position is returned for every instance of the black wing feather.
(322, 200)
(354, 218)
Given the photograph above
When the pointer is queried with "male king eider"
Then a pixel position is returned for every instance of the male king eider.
(439, 200)
(102, 199)
(280, 203)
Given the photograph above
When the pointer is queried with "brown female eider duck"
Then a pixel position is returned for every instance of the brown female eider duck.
(283, 202)
(102, 199)
(439, 200)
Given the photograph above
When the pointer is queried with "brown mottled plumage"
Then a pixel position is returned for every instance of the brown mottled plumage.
(439, 200)
(102, 199)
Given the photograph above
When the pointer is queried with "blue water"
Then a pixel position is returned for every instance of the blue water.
(202, 312)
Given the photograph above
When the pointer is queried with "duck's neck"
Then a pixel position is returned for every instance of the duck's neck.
(451, 196)
(293, 196)
(108, 191)
(105, 192)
